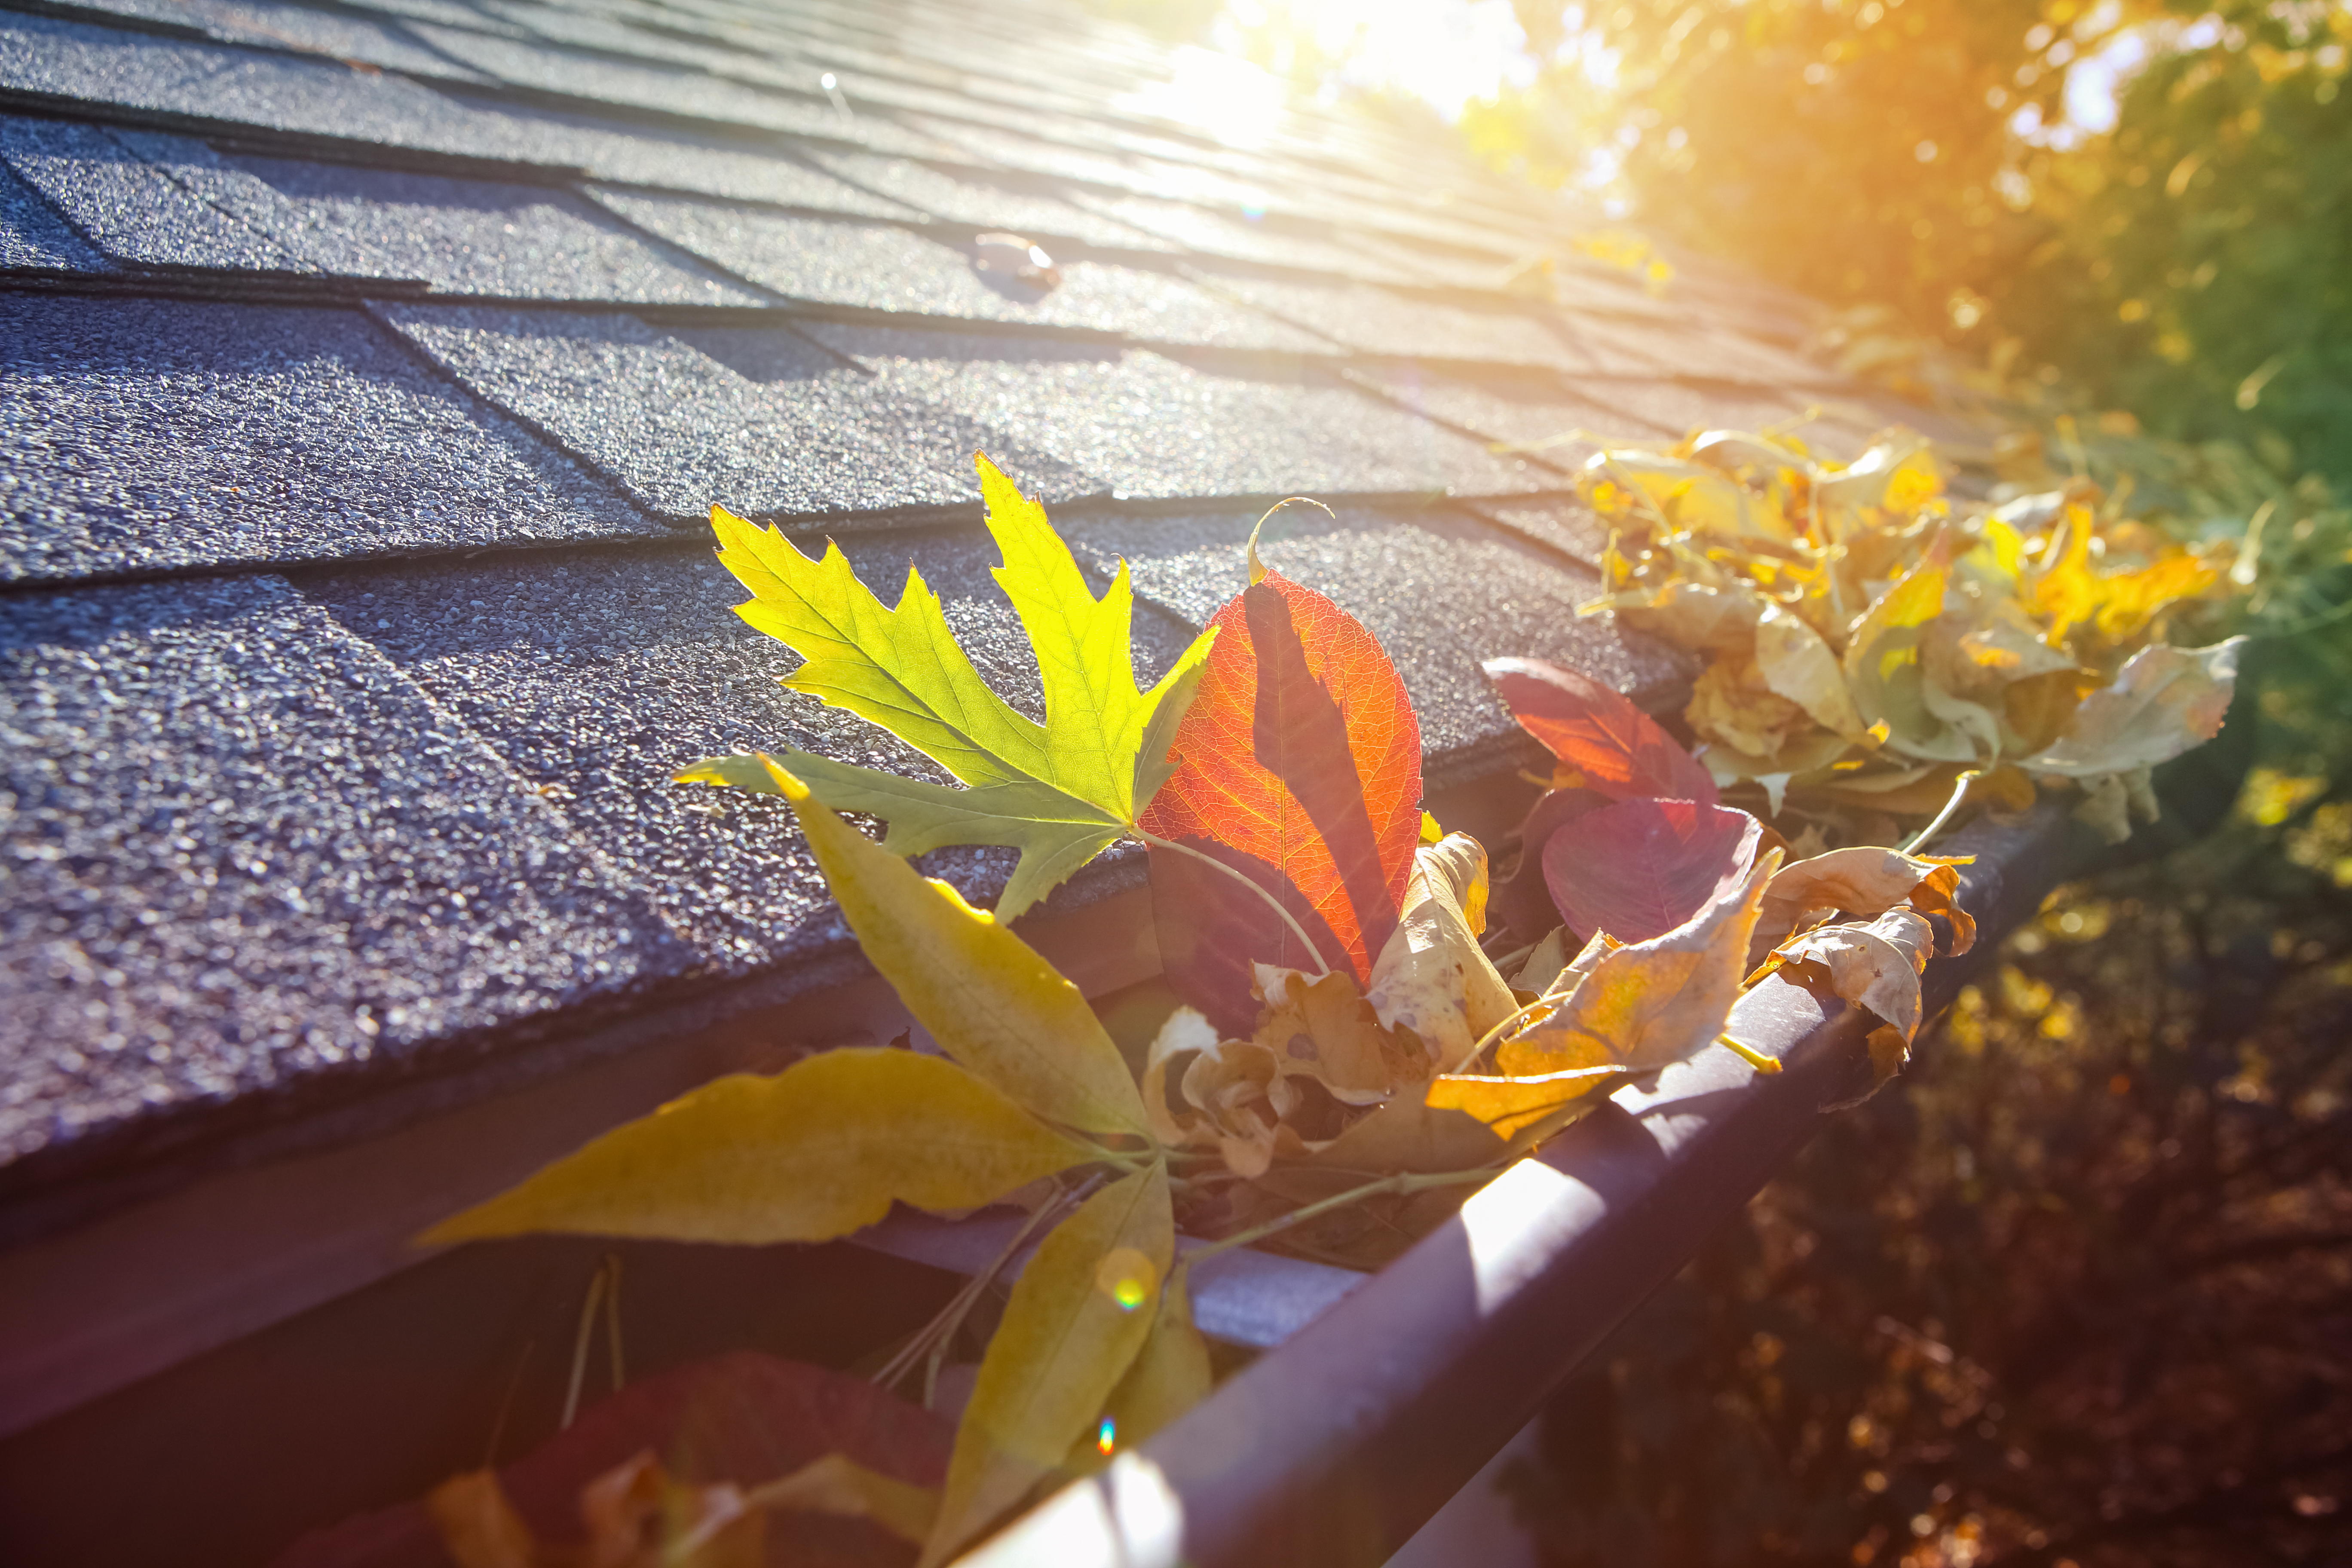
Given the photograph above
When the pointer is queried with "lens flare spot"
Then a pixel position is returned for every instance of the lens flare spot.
(1106, 1436)
(1128, 1277)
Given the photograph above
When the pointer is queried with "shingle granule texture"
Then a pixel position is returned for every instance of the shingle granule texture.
(1371, 320)
(132, 207)
(1148, 425)
(761, 421)
(877, 267)
(1532, 409)
(602, 675)
(143, 435)
(269, 24)
(1442, 591)
(666, 89)
(952, 196)
(217, 83)
(34, 239)
(242, 850)
(466, 236)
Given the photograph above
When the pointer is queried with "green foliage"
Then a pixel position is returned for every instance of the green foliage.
(2191, 266)
(2198, 270)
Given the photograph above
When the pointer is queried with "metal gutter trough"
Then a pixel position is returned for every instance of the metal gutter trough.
(1339, 1445)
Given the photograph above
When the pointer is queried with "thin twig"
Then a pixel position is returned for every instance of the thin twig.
(1402, 1182)
(1321, 968)
(1753, 1056)
(950, 1318)
(1960, 794)
(580, 1341)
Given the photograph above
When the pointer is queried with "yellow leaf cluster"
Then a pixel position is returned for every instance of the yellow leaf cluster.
(1872, 641)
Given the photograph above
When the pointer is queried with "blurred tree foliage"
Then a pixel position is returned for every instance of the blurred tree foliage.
(2194, 264)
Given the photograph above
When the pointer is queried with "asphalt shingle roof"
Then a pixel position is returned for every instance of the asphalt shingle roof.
(366, 368)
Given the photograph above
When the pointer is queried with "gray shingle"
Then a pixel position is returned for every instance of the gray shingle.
(34, 239)
(1237, 238)
(601, 675)
(1533, 409)
(146, 435)
(132, 207)
(759, 420)
(274, 24)
(1371, 320)
(667, 89)
(677, 160)
(984, 205)
(1564, 524)
(880, 267)
(1442, 591)
(215, 83)
(463, 237)
(1150, 425)
(245, 856)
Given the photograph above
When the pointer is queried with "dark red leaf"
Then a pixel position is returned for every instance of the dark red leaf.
(1300, 765)
(1640, 867)
(745, 1418)
(1523, 900)
(1596, 730)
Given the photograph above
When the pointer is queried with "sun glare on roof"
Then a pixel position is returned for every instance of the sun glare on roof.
(1218, 94)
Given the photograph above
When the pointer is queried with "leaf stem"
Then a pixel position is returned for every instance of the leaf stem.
(934, 1335)
(1321, 968)
(1519, 1015)
(1400, 1181)
(1960, 794)
(1753, 1056)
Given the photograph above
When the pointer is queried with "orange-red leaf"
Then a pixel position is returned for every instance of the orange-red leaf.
(1639, 869)
(1299, 765)
(1597, 731)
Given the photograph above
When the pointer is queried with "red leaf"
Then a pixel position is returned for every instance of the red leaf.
(1597, 731)
(1523, 901)
(1640, 867)
(744, 1417)
(1300, 767)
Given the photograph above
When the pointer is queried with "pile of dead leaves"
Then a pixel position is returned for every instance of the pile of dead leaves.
(1359, 1018)
(1872, 645)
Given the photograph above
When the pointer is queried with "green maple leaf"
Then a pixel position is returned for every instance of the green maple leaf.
(1061, 792)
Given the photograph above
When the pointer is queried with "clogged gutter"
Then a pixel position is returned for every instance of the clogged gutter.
(1350, 1046)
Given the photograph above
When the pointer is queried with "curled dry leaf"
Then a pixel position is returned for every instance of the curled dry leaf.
(1884, 670)
(1463, 1123)
(1875, 966)
(1639, 869)
(1077, 1318)
(815, 1151)
(1432, 977)
(1240, 1097)
(1651, 1003)
(1298, 768)
(2163, 701)
(1797, 664)
(1864, 880)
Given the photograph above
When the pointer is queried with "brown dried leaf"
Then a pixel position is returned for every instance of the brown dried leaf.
(1655, 1002)
(1432, 977)
(1866, 881)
